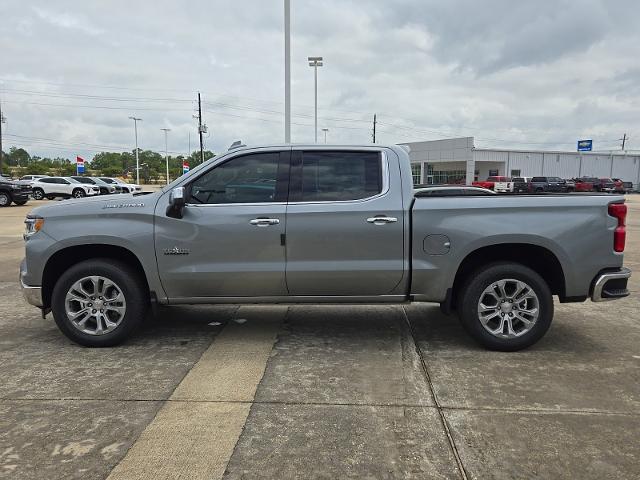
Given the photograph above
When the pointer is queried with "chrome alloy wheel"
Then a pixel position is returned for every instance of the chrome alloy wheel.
(508, 308)
(95, 305)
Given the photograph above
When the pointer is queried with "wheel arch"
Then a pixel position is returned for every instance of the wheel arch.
(539, 259)
(69, 256)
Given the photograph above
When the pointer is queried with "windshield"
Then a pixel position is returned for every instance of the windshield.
(72, 180)
(107, 180)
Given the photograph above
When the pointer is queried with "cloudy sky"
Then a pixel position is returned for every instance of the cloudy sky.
(527, 74)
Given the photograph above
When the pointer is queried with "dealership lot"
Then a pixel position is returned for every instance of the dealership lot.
(318, 392)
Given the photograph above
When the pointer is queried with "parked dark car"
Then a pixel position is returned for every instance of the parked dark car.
(547, 184)
(521, 184)
(15, 192)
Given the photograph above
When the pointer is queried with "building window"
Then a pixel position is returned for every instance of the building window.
(515, 173)
(441, 177)
(415, 173)
(493, 173)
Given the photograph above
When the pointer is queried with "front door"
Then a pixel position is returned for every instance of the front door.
(345, 224)
(229, 241)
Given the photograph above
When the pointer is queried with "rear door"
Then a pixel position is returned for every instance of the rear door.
(345, 223)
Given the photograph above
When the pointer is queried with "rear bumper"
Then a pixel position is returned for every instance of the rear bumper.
(610, 285)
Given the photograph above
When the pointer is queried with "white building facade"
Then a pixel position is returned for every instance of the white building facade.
(456, 160)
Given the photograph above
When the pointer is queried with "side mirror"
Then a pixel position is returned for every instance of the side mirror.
(177, 201)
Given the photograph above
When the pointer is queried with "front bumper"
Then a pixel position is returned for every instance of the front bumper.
(610, 285)
(33, 295)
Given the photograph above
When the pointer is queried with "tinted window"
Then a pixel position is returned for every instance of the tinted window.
(335, 176)
(247, 179)
(518, 179)
(539, 179)
(84, 180)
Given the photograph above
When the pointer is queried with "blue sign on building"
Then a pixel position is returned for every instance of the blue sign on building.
(585, 145)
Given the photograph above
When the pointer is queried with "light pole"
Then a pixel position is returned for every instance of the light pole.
(315, 62)
(325, 130)
(135, 126)
(287, 71)
(166, 154)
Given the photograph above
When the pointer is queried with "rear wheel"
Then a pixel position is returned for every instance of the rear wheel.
(20, 203)
(506, 306)
(38, 193)
(5, 199)
(99, 303)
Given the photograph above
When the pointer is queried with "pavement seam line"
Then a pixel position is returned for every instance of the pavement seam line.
(443, 419)
(334, 404)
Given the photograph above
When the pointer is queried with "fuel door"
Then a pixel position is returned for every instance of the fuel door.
(436, 244)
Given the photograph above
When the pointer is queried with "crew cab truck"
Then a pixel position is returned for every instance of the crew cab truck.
(321, 224)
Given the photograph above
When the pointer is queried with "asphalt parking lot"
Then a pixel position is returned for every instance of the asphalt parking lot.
(318, 392)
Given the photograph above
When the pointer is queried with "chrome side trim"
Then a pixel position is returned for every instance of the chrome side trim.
(601, 281)
(318, 299)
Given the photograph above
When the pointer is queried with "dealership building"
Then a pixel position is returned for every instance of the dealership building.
(456, 160)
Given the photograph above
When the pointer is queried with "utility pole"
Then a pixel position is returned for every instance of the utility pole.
(624, 140)
(135, 126)
(287, 71)
(374, 127)
(201, 128)
(166, 153)
(315, 62)
(2, 120)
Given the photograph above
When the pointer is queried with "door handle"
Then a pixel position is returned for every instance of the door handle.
(264, 222)
(381, 220)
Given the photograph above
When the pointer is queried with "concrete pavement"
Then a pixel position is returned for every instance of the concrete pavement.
(319, 392)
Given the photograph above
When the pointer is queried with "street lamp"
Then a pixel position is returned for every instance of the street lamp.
(315, 62)
(135, 126)
(325, 130)
(166, 154)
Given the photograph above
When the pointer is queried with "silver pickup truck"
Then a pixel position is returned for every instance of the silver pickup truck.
(330, 224)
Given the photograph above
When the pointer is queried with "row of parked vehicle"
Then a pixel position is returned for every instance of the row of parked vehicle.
(45, 186)
(76, 186)
(502, 184)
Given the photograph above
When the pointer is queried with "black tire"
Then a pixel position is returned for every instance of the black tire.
(539, 190)
(127, 280)
(51, 197)
(37, 194)
(475, 285)
(5, 199)
(20, 203)
(78, 193)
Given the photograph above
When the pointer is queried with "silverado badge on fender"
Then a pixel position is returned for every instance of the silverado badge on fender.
(176, 251)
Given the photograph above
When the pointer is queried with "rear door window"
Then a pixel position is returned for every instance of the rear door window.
(340, 176)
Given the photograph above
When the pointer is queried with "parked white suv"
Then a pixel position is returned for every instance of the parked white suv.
(52, 187)
(126, 187)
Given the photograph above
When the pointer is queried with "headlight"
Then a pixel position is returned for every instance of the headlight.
(16, 187)
(33, 225)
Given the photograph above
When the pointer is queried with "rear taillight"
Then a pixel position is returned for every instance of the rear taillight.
(619, 211)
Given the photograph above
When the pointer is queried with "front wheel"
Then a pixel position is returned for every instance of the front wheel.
(78, 193)
(99, 302)
(506, 306)
(38, 193)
